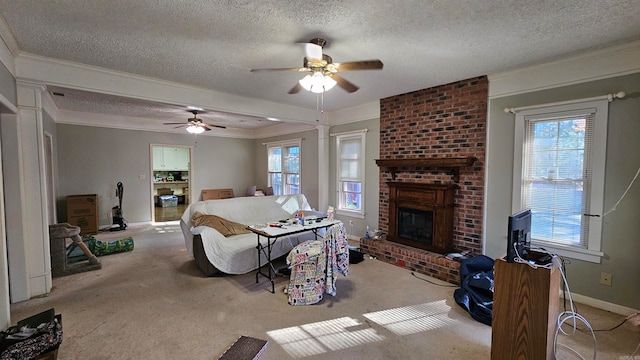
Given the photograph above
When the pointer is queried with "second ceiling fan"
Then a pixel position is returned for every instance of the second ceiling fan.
(322, 71)
(195, 125)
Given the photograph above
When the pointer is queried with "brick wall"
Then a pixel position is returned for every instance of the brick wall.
(443, 121)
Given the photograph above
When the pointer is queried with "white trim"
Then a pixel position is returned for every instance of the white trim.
(281, 142)
(585, 67)
(350, 132)
(600, 304)
(95, 79)
(608, 97)
(9, 48)
(297, 142)
(4, 102)
(362, 137)
(598, 159)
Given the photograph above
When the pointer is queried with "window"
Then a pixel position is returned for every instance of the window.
(559, 166)
(284, 168)
(350, 173)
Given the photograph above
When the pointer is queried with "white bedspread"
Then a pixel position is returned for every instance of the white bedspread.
(237, 254)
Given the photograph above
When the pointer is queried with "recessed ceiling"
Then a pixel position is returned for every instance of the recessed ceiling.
(215, 44)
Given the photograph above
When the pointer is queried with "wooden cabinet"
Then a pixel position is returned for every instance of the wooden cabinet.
(170, 158)
(525, 311)
(82, 211)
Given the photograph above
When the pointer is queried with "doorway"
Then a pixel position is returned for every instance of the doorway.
(171, 181)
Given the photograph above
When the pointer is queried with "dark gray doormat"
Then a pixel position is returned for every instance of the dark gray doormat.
(245, 348)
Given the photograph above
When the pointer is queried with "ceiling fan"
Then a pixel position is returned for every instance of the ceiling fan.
(322, 71)
(195, 125)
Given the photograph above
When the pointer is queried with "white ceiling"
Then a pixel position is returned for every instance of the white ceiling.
(214, 44)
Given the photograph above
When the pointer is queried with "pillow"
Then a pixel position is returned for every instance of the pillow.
(224, 226)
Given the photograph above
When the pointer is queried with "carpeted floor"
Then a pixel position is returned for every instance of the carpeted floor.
(153, 303)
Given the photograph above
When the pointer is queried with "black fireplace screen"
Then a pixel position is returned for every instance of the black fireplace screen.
(416, 225)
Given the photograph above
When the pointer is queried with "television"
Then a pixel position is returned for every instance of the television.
(519, 235)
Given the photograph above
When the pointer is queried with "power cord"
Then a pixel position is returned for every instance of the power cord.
(571, 315)
(431, 282)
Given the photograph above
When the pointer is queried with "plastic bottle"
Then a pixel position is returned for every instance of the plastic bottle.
(366, 235)
(302, 218)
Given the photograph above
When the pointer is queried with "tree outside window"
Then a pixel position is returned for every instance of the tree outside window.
(284, 168)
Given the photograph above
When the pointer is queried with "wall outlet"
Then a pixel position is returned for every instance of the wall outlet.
(351, 223)
(605, 279)
(109, 215)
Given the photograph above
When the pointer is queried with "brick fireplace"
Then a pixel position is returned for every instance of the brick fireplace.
(434, 136)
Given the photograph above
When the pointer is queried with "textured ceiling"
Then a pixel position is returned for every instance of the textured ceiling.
(214, 44)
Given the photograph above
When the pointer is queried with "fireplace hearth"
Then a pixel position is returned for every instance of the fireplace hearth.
(421, 215)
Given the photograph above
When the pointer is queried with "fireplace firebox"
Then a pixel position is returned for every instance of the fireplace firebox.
(421, 215)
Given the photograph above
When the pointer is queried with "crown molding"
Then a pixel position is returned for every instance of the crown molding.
(618, 60)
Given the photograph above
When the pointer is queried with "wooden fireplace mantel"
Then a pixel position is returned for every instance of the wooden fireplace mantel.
(453, 164)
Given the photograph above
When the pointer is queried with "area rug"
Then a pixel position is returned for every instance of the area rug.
(245, 348)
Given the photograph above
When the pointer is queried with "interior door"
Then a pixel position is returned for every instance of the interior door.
(170, 181)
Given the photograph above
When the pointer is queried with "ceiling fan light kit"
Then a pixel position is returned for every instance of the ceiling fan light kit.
(317, 83)
(195, 125)
(194, 129)
(323, 72)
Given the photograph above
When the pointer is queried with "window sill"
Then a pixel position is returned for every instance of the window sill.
(571, 252)
(355, 214)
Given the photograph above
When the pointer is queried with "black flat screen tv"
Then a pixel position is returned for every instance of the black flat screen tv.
(519, 235)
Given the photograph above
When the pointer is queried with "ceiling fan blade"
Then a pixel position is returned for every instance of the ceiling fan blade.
(359, 65)
(281, 69)
(213, 125)
(313, 51)
(344, 83)
(179, 126)
(295, 89)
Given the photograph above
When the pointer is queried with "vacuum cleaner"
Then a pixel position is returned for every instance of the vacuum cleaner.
(119, 223)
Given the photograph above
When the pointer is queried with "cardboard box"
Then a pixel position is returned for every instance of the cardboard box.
(165, 191)
(82, 211)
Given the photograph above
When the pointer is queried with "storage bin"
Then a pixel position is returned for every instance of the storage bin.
(168, 200)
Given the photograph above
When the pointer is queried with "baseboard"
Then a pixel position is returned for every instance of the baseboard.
(601, 304)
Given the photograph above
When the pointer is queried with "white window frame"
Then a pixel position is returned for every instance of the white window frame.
(282, 145)
(592, 252)
(361, 136)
